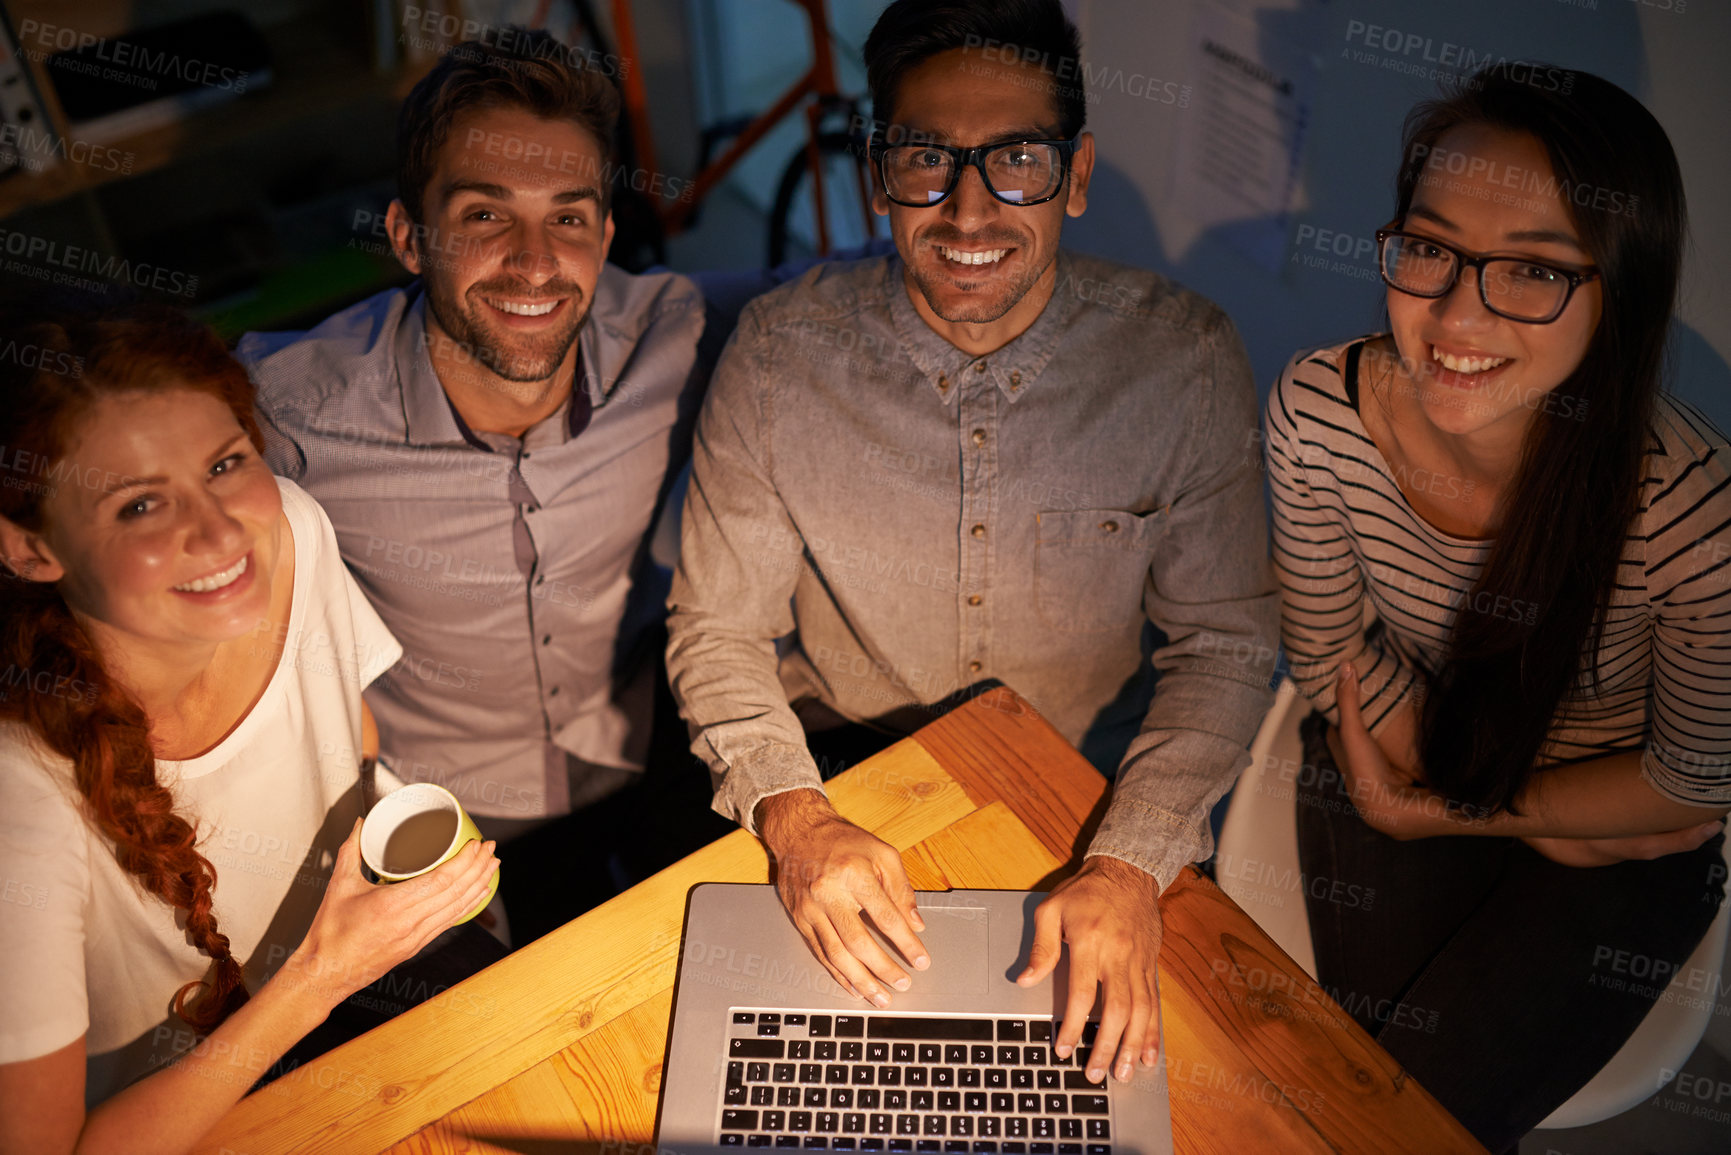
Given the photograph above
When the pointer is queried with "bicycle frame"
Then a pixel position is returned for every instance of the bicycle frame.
(818, 82)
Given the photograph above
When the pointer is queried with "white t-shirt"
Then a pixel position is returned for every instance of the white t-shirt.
(84, 949)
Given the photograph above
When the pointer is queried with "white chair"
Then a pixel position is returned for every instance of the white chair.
(1258, 867)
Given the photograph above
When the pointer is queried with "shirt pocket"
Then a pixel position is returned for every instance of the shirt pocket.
(1091, 566)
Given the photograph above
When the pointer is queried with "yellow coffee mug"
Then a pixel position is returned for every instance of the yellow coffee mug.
(415, 829)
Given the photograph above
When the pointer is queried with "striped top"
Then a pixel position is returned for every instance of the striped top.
(1345, 534)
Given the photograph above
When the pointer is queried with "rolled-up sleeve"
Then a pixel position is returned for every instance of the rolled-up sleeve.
(1211, 592)
(730, 601)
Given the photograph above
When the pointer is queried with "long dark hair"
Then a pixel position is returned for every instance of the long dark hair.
(1488, 711)
(67, 354)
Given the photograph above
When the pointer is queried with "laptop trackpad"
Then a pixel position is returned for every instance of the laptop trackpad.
(956, 938)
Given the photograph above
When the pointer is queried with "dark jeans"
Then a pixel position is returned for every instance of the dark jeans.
(443, 963)
(1500, 980)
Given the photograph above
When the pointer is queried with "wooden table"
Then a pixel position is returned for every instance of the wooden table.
(559, 1046)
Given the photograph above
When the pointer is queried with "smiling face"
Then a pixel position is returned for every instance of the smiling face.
(980, 270)
(1469, 369)
(511, 244)
(164, 526)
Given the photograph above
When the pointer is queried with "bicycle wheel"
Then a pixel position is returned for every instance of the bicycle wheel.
(793, 218)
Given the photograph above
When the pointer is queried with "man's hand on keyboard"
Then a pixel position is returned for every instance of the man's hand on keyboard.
(1109, 915)
(828, 871)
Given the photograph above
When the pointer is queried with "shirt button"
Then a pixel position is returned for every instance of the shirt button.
(979, 366)
(974, 667)
(943, 382)
(975, 599)
(979, 437)
(1016, 379)
(978, 531)
(1109, 526)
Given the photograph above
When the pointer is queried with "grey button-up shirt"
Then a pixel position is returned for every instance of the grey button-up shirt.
(515, 572)
(919, 520)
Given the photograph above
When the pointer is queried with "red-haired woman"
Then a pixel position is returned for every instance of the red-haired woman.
(182, 656)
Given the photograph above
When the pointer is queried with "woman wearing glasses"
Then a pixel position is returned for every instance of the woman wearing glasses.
(1506, 568)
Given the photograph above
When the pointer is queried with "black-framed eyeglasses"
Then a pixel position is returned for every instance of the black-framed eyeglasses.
(1021, 172)
(1512, 287)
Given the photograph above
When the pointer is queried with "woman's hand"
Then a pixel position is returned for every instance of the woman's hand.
(362, 930)
(1607, 851)
(1385, 797)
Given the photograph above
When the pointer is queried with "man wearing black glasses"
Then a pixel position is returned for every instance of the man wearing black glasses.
(980, 459)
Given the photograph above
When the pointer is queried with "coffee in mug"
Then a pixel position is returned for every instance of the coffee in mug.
(415, 829)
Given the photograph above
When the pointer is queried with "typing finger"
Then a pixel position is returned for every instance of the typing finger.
(892, 921)
(1048, 946)
(1114, 1017)
(1084, 977)
(859, 943)
(1136, 1036)
(852, 969)
(894, 877)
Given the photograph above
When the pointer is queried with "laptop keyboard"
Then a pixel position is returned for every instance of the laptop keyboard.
(878, 1082)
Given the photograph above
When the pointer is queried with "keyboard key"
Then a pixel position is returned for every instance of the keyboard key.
(1069, 1149)
(1045, 1128)
(819, 1027)
(1040, 1031)
(931, 1053)
(974, 1101)
(980, 1055)
(733, 1096)
(962, 1125)
(787, 1097)
(1072, 1128)
(907, 1124)
(1034, 1056)
(967, 1030)
(936, 1125)
(1078, 1081)
(985, 1147)
(734, 1139)
(799, 1049)
(1054, 1104)
(841, 1098)
(744, 1017)
(834, 1073)
(869, 1144)
(799, 1120)
(1012, 1030)
(943, 1076)
(877, 1052)
(901, 1144)
(736, 1074)
(853, 1122)
(1099, 1129)
(959, 1146)
(769, 1017)
(828, 1121)
(990, 1127)
(862, 1075)
(920, 1100)
(758, 1141)
(783, 1141)
(902, 1052)
(914, 1077)
(1016, 1127)
(1099, 1149)
(881, 1125)
(1003, 1102)
(794, 1020)
(811, 1072)
(1040, 1149)
(1088, 1104)
(1009, 1056)
(1021, 1079)
(997, 1077)
(949, 1101)
(851, 1052)
(1028, 1104)
(968, 1077)
(841, 1145)
(755, 1048)
(889, 1076)
(852, 1027)
(775, 1120)
(814, 1097)
(818, 1143)
(763, 1096)
(956, 1054)
(1048, 1080)
(782, 1072)
(895, 1100)
(928, 1146)
(823, 1052)
(867, 1100)
(739, 1120)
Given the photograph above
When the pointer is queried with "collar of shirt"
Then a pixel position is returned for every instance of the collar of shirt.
(431, 418)
(1016, 367)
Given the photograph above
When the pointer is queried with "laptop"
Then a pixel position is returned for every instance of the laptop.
(766, 1052)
